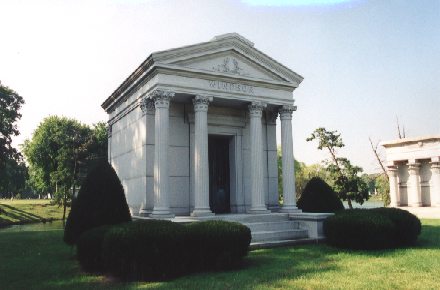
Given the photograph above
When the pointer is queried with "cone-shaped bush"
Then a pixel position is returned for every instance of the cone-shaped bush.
(318, 196)
(100, 201)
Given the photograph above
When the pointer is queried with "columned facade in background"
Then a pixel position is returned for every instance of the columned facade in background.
(414, 171)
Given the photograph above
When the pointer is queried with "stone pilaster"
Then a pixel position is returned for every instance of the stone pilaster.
(161, 207)
(257, 185)
(435, 187)
(394, 186)
(414, 190)
(109, 143)
(288, 165)
(201, 163)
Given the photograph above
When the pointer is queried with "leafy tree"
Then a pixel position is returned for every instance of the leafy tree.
(383, 188)
(346, 180)
(13, 178)
(13, 171)
(60, 149)
(318, 196)
(10, 104)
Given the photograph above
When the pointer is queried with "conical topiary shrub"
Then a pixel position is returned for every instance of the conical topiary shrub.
(318, 196)
(100, 201)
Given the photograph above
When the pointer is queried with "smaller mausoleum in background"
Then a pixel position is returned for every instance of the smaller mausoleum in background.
(414, 170)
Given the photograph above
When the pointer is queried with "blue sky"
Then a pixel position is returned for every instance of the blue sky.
(364, 62)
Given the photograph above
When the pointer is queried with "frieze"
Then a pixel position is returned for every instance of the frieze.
(231, 87)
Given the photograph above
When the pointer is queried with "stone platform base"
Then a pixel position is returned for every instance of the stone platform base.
(272, 229)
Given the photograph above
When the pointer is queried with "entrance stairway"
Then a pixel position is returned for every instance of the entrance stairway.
(272, 229)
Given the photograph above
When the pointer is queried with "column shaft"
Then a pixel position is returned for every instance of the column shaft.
(414, 190)
(161, 207)
(435, 188)
(288, 165)
(394, 186)
(201, 163)
(256, 138)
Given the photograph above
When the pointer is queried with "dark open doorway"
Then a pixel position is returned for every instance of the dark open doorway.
(219, 189)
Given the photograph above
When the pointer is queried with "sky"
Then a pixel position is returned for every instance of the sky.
(364, 63)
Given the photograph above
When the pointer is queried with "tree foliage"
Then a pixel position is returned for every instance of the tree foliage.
(13, 171)
(318, 196)
(59, 153)
(10, 105)
(346, 177)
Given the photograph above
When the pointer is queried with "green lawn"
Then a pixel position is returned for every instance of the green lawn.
(40, 260)
(22, 211)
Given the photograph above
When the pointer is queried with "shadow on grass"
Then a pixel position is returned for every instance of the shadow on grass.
(18, 216)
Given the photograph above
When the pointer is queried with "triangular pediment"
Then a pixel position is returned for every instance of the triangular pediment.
(230, 55)
(230, 63)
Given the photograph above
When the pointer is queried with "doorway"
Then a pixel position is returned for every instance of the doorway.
(219, 172)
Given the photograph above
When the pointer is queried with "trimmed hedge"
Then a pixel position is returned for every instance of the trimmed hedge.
(100, 201)
(369, 229)
(161, 250)
(318, 196)
(89, 248)
(217, 244)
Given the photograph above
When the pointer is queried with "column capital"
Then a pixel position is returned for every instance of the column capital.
(161, 98)
(286, 112)
(272, 116)
(435, 166)
(413, 167)
(147, 106)
(256, 109)
(392, 170)
(201, 103)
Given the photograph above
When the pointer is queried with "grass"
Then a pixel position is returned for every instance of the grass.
(22, 211)
(40, 260)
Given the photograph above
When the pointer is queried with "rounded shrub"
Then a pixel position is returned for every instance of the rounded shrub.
(89, 248)
(407, 226)
(100, 201)
(318, 196)
(372, 228)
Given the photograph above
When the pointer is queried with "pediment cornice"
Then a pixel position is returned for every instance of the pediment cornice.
(170, 59)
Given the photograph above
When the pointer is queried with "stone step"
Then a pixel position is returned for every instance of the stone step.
(255, 218)
(262, 236)
(272, 226)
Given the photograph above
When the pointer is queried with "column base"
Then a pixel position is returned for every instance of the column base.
(418, 204)
(259, 210)
(290, 209)
(145, 212)
(202, 212)
(394, 205)
(161, 213)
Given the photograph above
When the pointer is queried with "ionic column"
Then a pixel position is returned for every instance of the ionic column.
(414, 190)
(394, 186)
(257, 185)
(201, 164)
(435, 188)
(161, 207)
(289, 195)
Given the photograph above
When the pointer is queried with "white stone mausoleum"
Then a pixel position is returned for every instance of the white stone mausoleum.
(414, 171)
(192, 131)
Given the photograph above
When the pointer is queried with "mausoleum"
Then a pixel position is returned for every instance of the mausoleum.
(414, 171)
(192, 131)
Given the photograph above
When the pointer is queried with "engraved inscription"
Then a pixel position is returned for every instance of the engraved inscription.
(231, 87)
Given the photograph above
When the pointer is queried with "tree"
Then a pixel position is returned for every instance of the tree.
(59, 150)
(346, 180)
(10, 104)
(383, 179)
(318, 196)
(13, 171)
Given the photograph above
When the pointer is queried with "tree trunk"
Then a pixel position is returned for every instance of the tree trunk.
(350, 206)
(64, 206)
